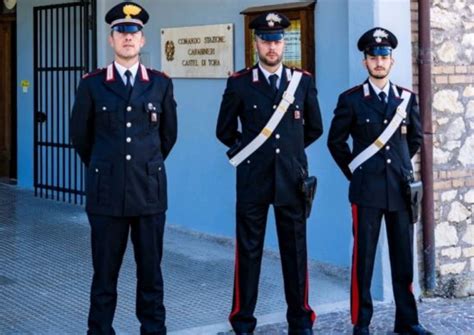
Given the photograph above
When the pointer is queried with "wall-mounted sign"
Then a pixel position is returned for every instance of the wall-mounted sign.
(198, 52)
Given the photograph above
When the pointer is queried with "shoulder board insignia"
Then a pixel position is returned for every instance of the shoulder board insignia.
(353, 89)
(160, 73)
(302, 71)
(404, 89)
(241, 72)
(93, 73)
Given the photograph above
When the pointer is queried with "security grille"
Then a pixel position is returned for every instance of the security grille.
(64, 49)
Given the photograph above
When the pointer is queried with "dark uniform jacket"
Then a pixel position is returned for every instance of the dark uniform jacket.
(123, 141)
(274, 172)
(380, 181)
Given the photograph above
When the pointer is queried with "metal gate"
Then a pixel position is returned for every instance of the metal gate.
(64, 49)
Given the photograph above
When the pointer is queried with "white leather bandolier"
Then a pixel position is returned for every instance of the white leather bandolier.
(286, 101)
(386, 134)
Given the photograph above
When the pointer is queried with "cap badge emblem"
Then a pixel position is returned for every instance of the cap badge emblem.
(130, 10)
(272, 18)
(379, 34)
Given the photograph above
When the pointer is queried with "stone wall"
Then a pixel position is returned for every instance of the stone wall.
(452, 42)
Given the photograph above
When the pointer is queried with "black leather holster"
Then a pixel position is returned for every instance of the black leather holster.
(308, 187)
(414, 194)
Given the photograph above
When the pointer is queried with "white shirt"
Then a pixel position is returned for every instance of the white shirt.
(267, 74)
(121, 70)
(377, 90)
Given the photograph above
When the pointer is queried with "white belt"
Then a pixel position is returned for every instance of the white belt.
(385, 136)
(286, 101)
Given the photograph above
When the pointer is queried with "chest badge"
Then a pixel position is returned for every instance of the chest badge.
(297, 115)
(153, 114)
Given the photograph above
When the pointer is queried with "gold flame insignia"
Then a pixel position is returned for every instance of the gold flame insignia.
(130, 10)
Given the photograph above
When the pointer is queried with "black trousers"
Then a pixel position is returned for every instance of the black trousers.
(109, 237)
(291, 231)
(366, 229)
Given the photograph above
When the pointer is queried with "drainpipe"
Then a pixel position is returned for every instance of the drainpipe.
(425, 90)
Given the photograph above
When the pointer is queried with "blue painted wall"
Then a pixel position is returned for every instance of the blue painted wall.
(330, 228)
(201, 181)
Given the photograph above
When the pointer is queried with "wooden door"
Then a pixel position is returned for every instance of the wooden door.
(6, 90)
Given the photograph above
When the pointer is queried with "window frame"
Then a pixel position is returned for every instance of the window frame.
(302, 11)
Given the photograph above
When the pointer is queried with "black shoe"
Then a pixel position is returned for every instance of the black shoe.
(243, 333)
(413, 330)
(307, 331)
(361, 330)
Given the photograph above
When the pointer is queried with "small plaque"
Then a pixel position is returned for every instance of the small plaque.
(198, 51)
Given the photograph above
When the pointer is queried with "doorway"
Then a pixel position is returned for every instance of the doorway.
(64, 49)
(8, 142)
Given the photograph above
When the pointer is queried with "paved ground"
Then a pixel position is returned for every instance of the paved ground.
(441, 316)
(45, 272)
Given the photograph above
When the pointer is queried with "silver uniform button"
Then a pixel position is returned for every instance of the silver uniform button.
(274, 106)
(96, 170)
(150, 106)
(129, 139)
(277, 150)
(129, 124)
(277, 136)
(248, 161)
(254, 106)
(385, 121)
(159, 169)
(367, 120)
(104, 108)
(128, 157)
(389, 161)
(129, 108)
(387, 147)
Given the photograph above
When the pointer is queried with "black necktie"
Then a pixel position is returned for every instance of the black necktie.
(273, 82)
(383, 97)
(128, 85)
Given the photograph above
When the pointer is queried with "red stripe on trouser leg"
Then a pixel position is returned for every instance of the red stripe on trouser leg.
(354, 280)
(410, 287)
(306, 294)
(236, 307)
